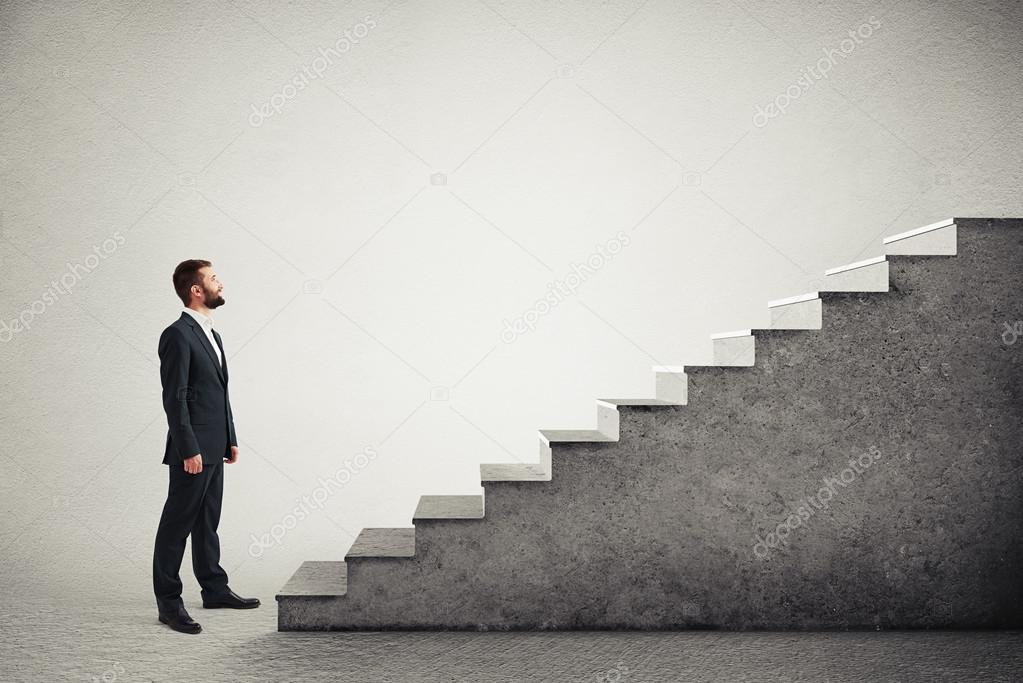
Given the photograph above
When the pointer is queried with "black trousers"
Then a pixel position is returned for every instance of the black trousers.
(192, 507)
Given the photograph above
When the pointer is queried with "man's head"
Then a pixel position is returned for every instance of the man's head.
(196, 283)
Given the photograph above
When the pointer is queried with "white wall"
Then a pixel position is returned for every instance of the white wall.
(365, 301)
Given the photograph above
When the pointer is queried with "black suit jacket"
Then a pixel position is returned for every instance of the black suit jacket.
(199, 417)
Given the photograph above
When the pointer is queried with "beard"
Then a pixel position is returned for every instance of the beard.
(212, 300)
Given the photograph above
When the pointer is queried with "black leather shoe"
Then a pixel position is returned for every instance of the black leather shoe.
(180, 621)
(230, 599)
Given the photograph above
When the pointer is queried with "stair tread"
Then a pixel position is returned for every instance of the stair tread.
(449, 507)
(317, 578)
(579, 435)
(513, 471)
(383, 542)
(733, 334)
(944, 223)
(873, 261)
(797, 299)
(698, 368)
(637, 401)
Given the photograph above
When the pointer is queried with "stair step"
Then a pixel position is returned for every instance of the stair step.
(449, 507)
(869, 275)
(379, 542)
(615, 402)
(316, 578)
(575, 436)
(734, 349)
(803, 312)
(513, 471)
(609, 419)
(729, 335)
(671, 384)
(936, 239)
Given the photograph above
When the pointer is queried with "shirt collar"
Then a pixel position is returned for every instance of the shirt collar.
(205, 321)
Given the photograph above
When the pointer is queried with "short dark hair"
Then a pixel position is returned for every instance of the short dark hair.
(186, 275)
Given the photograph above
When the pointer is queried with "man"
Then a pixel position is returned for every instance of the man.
(200, 439)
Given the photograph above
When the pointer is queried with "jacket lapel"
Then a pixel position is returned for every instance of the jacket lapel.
(220, 345)
(206, 345)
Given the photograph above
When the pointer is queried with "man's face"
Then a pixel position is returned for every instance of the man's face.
(212, 288)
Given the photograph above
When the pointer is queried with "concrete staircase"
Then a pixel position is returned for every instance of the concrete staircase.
(863, 471)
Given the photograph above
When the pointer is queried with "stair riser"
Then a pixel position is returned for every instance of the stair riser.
(805, 315)
(431, 535)
(735, 351)
(607, 420)
(309, 614)
(672, 386)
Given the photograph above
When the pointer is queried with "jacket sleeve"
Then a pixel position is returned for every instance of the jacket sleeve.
(230, 420)
(174, 361)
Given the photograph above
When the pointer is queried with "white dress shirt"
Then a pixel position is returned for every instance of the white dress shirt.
(207, 326)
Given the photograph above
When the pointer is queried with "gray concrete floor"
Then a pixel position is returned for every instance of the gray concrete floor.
(44, 641)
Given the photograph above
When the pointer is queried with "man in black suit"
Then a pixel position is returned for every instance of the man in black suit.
(200, 439)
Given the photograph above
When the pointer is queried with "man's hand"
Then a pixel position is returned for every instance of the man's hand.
(193, 465)
(234, 456)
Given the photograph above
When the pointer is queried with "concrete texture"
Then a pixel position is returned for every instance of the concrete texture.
(865, 476)
(119, 642)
